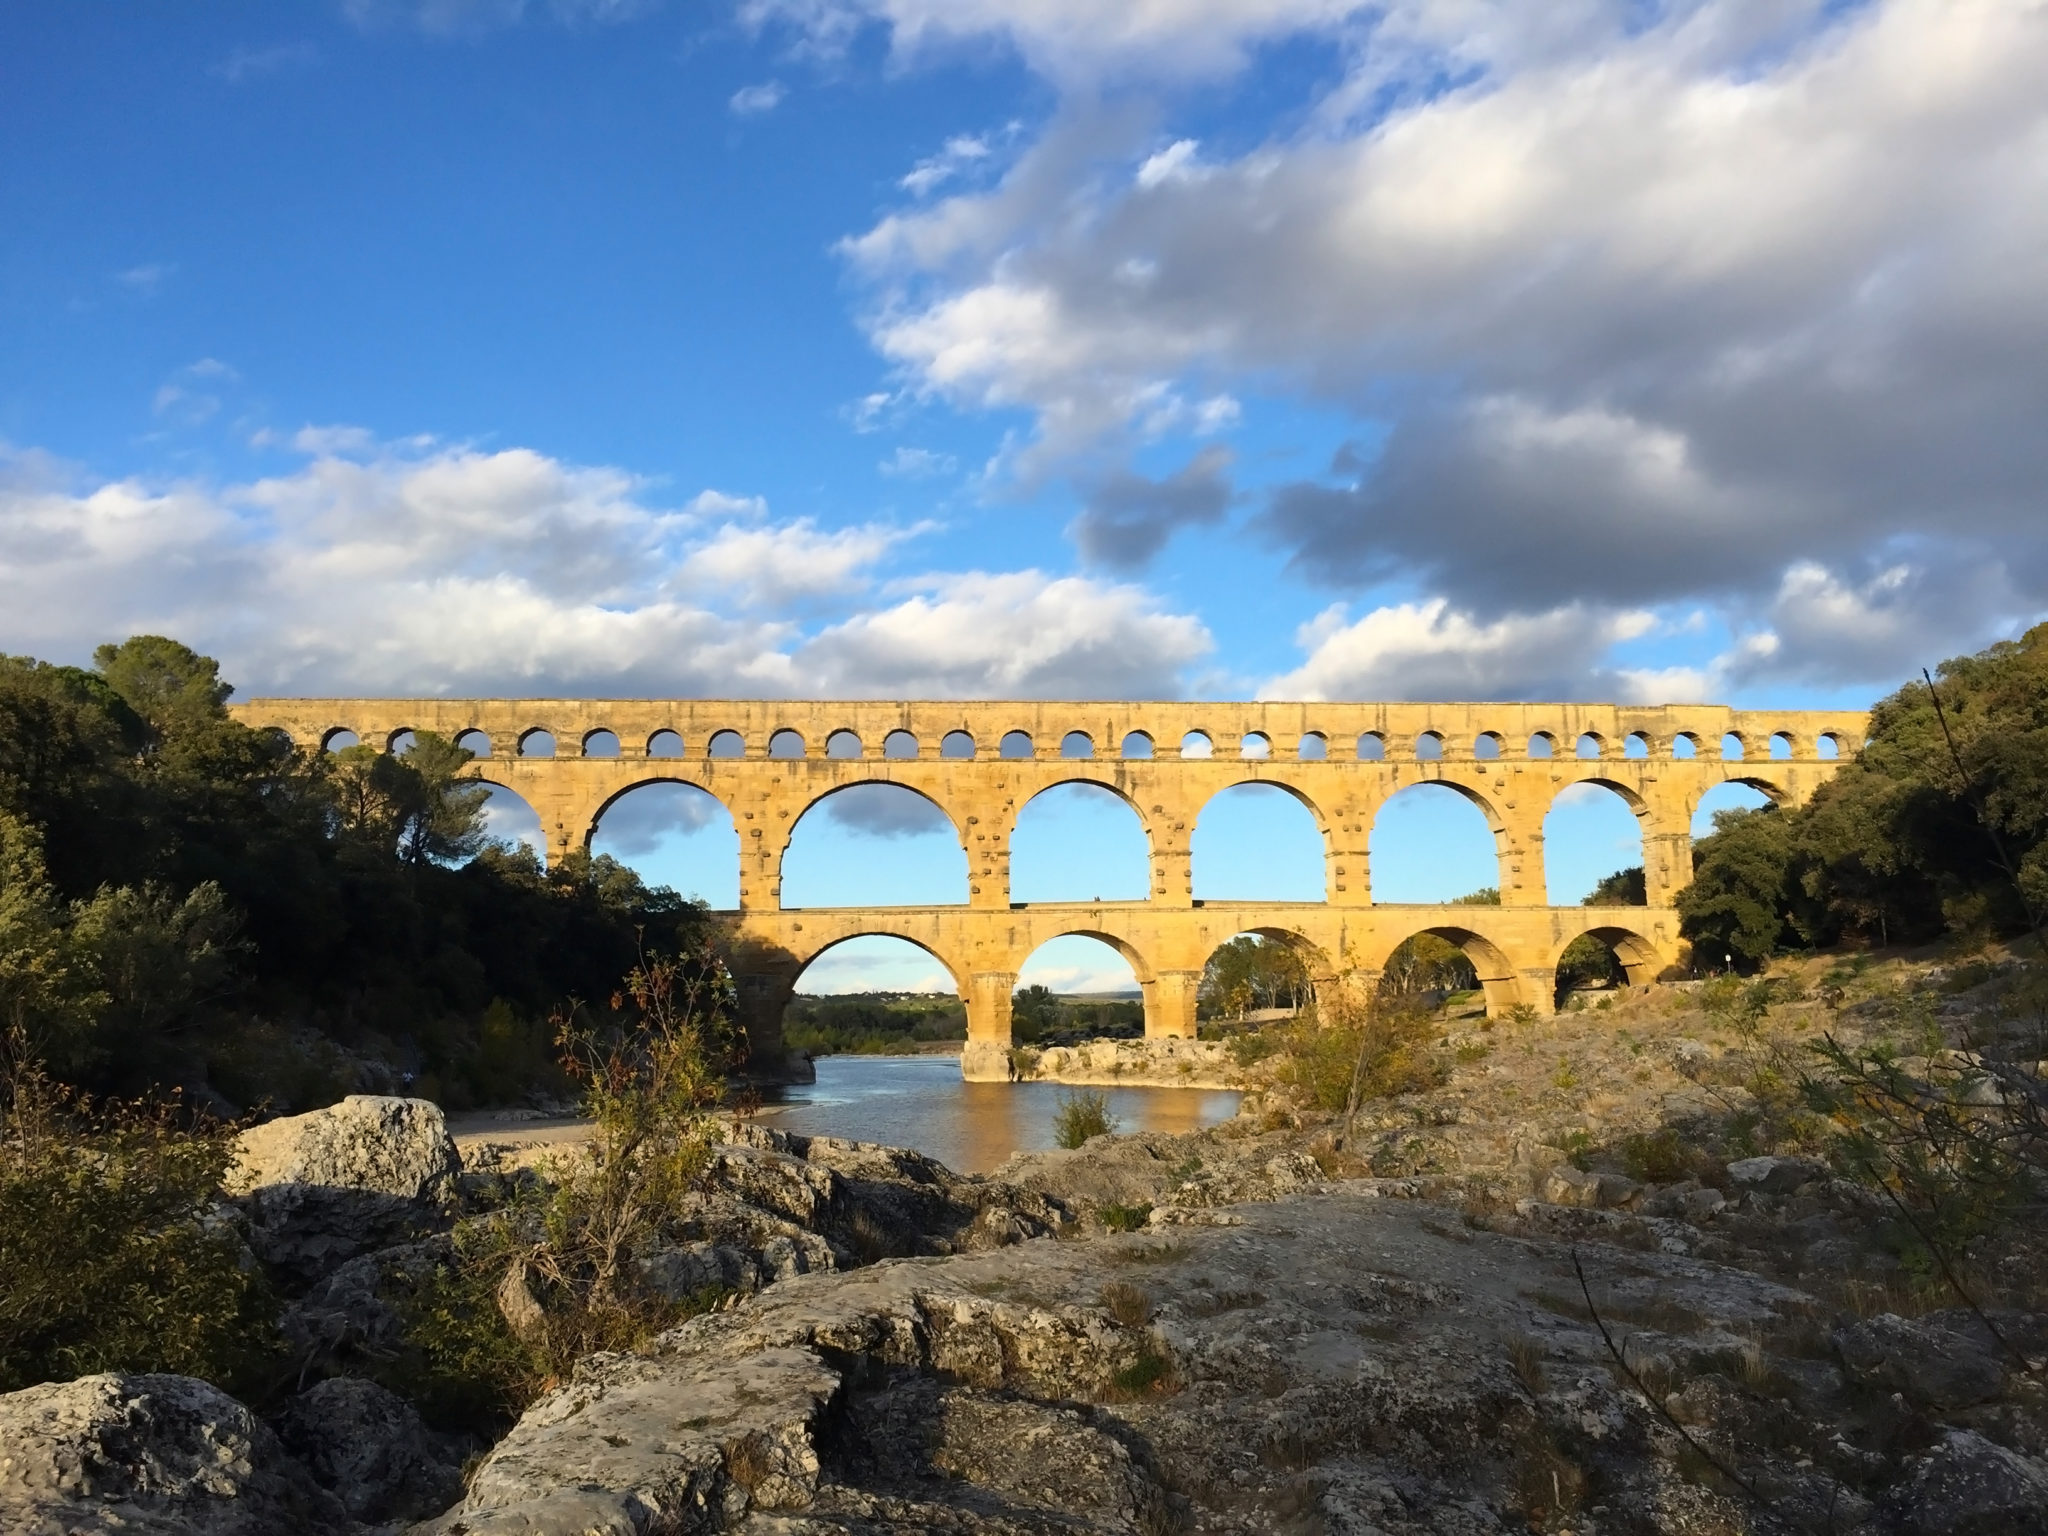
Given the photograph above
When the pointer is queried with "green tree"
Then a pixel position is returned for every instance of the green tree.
(174, 689)
(45, 995)
(1738, 904)
(156, 959)
(1034, 1013)
(447, 822)
(1250, 972)
(1623, 888)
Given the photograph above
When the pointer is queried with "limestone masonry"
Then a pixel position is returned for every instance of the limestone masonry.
(769, 761)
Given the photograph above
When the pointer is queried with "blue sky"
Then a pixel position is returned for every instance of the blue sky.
(1433, 348)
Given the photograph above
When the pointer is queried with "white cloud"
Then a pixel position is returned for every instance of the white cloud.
(711, 504)
(959, 153)
(768, 566)
(1176, 162)
(1428, 650)
(918, 464)
(753, 100)
(188, 396)
(1019, 634)
(443, 569)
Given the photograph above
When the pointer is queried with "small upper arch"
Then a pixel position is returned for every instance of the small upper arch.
(1255, 744)
(1429, 747)
(400, 741)
(475, 742)
(726, 744)
(1486, 746)
(899, 746)
(339, 738)
(1590, 744)
(1136, 744)
(1828, 746)
(1542, 745)
(1197, 744)
(538, 742)
(1685, 746)
(1077, 744)
(1016, 744)
(1638, 956)
(1314, 748)
(1783, 745)
(1733, 747)
(787, 744)
(1372, 748)
(601, 743)
(956, 746)
(1636, 745)
(665, 743)
(843, 745)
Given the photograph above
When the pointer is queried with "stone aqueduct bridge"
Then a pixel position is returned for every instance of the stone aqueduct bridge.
(768, 762)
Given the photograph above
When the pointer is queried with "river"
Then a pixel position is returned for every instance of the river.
(921, 1102)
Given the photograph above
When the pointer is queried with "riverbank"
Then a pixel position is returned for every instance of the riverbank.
(1556, 1287)
(1167, 1063)
(918, 1102)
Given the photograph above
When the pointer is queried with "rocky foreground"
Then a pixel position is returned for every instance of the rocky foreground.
(1239, 1331)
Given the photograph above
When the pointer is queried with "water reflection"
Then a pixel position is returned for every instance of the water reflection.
(920, 1102)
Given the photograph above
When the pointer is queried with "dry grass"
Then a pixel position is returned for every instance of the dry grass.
(1525, 1353)
(1128, 1304)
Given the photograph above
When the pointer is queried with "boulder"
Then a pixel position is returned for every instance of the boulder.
(1773, 1175)
(1934, 1367)
(149, 1455)
(1971, 1487)
(1566, 1185)
(685, 1271)
(638, 1444)
(347, 1318)
(370, 1448)
(321, 1188)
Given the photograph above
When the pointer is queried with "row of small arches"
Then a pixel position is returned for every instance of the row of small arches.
(1428, 746)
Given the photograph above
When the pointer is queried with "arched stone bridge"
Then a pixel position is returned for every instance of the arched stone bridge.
(981, 763)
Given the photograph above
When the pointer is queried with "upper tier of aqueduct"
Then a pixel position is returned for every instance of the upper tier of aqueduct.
(980, 763)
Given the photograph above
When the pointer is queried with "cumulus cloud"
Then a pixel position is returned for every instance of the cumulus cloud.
(444, 569)
(1129, 517)
(1427, 650)
(1638, 308)
(770, 566)
(1013, 634)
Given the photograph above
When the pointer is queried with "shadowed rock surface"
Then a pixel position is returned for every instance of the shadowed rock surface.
(320, 1188)
(149, 1456)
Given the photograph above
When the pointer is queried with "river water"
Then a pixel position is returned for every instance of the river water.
(921, 1102)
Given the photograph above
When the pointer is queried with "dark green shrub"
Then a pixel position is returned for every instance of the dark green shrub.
(1126, 1218)
(113, 1254)
(1082, 1114)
